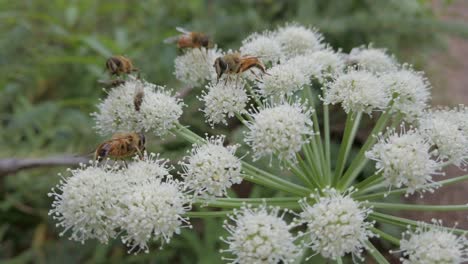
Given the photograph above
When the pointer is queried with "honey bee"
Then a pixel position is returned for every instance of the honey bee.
(120, 146)
(138, 98)
(117, 65)
(235, 63)
(190, 39)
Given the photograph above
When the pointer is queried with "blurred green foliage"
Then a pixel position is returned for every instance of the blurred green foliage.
(52, 53)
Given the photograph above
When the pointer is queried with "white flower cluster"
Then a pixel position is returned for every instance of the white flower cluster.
(280, 130)
(433, 244)
(372, 59)
(448, 131)
(405, 160)
(336, 224)
(296, 40)
(141, 203)
(357, 91)
(195, 66)
(224, 100)
(260, 236)
(158, 112)
(321, 64)
(282, 79)
(212, 168)
(264, 46)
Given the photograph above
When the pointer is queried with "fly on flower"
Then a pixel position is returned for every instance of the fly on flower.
(120, 146)
(235, 63)
(189, 39)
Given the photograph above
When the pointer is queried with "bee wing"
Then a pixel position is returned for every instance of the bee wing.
(183, 30)
(171, 40)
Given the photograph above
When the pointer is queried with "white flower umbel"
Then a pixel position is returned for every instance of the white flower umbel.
(262, 45)
(158, 112)
(412, 91)
(282, 79)
(211, 168)
(448, 131)
(195, 66)
(320, 64)
(224, 100)
(259, 236)
(336, 224)
(357, 91)
(150, 167)
(372, 59)
(279, 130)
(117, 112)
(404, 159)
(433, 244)
(85, 203)
(296, 40)
(152, 211)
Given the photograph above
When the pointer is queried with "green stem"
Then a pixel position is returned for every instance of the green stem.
(339, 260)
(375, 253)
(253, 95)
(326, 125)
(300, 173)
(416, 207)
(207, 214)
(403, 190)
(309, 173)
(386, 236)
(403, 222)
(283, 202)
(351, 127)
(368, 181)
(360, 160)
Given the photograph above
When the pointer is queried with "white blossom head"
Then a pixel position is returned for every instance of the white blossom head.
(357, 91)
(195, 66)
(152, 211)
(282, 79)
(412, 91)
(405, 159)
(158, 111)
(262, 45)
(211, 168)
(260, 236)
(85, 203)
(433, 244)
(279, 130)
(448, 131)
(150, 167)
(224, 100)
(372, 59)
(336, 224)
(296, 40)
(320, 64)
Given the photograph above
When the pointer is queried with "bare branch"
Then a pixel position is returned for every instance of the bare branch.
(10, 166)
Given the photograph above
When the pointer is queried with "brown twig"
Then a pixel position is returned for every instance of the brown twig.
(12, 165)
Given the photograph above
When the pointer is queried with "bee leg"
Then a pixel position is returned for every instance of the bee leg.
(203, 54)
(125, 164)
(140, 154)
(237, 80)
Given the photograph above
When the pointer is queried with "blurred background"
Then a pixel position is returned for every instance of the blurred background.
(52, 54)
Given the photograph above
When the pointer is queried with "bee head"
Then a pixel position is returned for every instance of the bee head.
(113, 64)
(220, 66)
(205, 41)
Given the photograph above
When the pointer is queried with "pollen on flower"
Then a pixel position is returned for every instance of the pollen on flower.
(264, 46)
(261, 236)
(373, 60)
(158, 112)
(224, 100)
(211, 168)
(448, 131)
(320, 64)
(412, 91)
(85, 203)
(282, 79)
(195, 66)
(405, 159)
(357, 91)
(296, 40)
(336, 224)
(433, 244)
(152, 211)
(279, 130)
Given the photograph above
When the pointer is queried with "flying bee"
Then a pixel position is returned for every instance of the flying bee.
(190, 39)
(138, 98)
(120, 146)
(118, 65)
(235, 63)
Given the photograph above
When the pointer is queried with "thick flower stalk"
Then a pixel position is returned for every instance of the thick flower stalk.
(321, 201)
